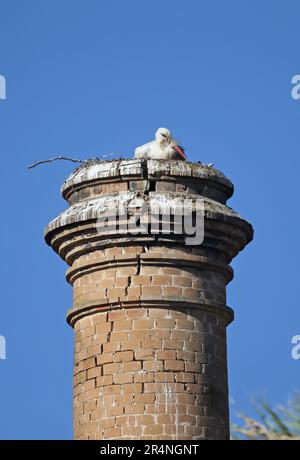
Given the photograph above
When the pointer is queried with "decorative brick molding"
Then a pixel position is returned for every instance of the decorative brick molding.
(149, 311)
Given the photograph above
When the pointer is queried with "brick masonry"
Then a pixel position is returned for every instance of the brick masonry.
(149, 312)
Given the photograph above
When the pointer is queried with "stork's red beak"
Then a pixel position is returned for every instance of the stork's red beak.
(178, 150)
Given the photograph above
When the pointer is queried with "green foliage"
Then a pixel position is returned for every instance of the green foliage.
(282, 423)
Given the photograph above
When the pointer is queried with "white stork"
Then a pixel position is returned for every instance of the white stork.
(164, 147)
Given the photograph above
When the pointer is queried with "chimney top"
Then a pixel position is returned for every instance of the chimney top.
(96, 170)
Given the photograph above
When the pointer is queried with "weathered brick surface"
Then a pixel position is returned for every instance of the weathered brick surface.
(149, 312)
(112, 285)
(172, 393)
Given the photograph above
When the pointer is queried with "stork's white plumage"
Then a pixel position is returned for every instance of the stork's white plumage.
(163, 147)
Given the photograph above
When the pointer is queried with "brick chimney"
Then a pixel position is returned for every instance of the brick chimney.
(149, 310)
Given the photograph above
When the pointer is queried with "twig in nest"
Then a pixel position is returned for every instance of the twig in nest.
(54, 159)
(74, 160)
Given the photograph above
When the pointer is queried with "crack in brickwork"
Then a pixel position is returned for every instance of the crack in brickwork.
(131, 355)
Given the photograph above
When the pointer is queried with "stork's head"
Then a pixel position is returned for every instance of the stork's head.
(163, 136)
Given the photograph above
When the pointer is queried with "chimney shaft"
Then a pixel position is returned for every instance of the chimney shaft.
(149, 310)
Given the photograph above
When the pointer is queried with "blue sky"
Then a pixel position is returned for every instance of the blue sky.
(86, 78)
